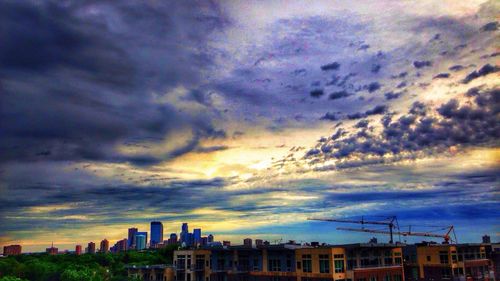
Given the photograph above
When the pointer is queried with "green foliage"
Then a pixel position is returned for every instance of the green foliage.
(11, 278)
(87, 267)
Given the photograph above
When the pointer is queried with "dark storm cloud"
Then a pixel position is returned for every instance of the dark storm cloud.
(483, 71)
(441, 76)
(491, 26)
(75, 86)
(418, 131)
(339, 95)
(421, 64)
(372, 87)
(392, 95)
(330, 66)
(329, 116)
(317, 93)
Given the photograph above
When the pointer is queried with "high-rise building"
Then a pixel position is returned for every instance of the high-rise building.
(226, 243)
(259, 242)
(91, 248)
(197, 236)
(131, 232)
(247, 242)
(210, 238)
(145, 234)
(78, 249)
(184, 237)
(12, 250)
(156, 233)
(120, 246)
(52, 250)
(140, 241)
(173, 239)
(486, 239)
(204, 241)
(104, 246)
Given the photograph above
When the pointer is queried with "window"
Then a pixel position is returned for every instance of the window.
(428, 258)
(373, 278)
(387, 278)
(299, 265)
(397, 277)
(397, 260)
(306, 263)
(256, 264)
(387, 261)
(324, 264)
(339, 266)
(351, 264)
(443, 257)
(446, 273)
(361, 279)
(274, 264)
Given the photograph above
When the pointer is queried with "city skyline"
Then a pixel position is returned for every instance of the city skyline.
(246, 118)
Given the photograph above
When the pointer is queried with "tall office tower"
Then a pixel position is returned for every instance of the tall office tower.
(173, 239)
(247, 242)
(486, 239)
(91, 248)
(259, 242)
(210, 238)
(131, 232)
(204, 241)
(156, 233)
(197, 236)
(52, 250)
(12, 250)
(145, 234)
(78, 249)
(140, 241)
(185, 234)
(104, 246)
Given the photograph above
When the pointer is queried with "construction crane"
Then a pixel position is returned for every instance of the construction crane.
(447, 238)
(391, 222)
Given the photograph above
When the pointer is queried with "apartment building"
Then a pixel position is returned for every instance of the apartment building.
(431, 261)
(287, 262)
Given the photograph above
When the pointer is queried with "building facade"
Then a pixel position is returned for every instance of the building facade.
(12, 250)
(287, 262)
(91, 248)
(104, 246)
(431, 261)
(156, 233)
(78, 249)
(131, 234)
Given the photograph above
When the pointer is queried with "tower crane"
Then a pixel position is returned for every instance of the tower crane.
(446, 236)
(391, 223)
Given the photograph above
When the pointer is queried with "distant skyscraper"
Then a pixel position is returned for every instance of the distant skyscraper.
(52, 250)
(226, 243)
(91, 248)
(247, 242)
(156, 233)
(210, 238)
(78, 249)
(259, 242)
(145, 234)
(197, 236)
(185, 234)
(120, 246)
(104, 246)
(131, 232)
(12, 250)
(204, 241)
(486, 239)
(140, 241)
(173, 239)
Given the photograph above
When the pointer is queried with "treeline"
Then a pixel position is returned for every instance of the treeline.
(70, 267)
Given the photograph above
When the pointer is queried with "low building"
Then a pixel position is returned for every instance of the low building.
(287, 262)
(52, 250)
(12, 250)
(432, 261)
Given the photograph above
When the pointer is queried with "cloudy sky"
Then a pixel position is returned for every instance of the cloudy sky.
(245, 118)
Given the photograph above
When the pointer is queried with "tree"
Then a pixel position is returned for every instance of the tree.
(11, 278)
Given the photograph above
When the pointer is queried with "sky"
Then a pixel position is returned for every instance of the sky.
(245, 118)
